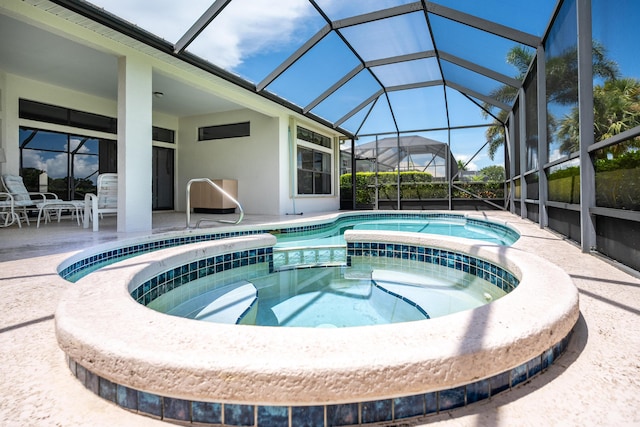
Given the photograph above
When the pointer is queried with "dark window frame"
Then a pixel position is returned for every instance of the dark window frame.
(226, 131)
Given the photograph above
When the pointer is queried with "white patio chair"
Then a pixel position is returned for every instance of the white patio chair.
(24, 200)
(8, 214)
(106, 201)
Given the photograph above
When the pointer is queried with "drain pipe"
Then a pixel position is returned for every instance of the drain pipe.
(291, 169)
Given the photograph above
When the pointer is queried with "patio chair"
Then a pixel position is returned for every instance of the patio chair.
(106, 201)
(25, 201)
(8, 214)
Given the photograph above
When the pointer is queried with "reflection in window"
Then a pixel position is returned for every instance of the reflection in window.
(618, 176)
(616, 85)
(69, 162)
(533, 191)
(562, 78)
(531, 105)
(564, 182)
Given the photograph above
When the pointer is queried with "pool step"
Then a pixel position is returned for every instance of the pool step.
(222, 305)
(284, 258)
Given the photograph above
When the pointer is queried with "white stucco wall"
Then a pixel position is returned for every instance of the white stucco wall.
(253, 161)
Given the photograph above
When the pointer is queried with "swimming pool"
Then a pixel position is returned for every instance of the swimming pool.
(438, 224)
(179, 369)
(308, 233)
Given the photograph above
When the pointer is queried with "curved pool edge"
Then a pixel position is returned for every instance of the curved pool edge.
(101, 328)
(85, 259)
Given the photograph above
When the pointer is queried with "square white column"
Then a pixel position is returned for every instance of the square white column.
(134, 145)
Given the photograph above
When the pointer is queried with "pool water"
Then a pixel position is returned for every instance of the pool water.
(444, 227)
(337, 297)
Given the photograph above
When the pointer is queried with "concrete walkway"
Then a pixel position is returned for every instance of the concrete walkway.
(595, 383)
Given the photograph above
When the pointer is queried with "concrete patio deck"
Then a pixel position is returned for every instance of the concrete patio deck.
(595, 383)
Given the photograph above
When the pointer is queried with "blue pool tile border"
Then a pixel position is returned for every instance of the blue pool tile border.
(388, 410)
(74, 271)
(492, 273)
(173, 278)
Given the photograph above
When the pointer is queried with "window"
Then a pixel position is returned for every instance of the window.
(163, 135)
(314, 162)
(69, 162)
(65, 116)
(234, 130)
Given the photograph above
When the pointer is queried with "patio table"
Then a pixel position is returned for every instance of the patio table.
(75, 206)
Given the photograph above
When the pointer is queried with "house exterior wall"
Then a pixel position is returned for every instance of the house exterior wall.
(252, 161)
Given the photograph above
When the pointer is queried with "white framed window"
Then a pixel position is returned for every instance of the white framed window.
(314, 163)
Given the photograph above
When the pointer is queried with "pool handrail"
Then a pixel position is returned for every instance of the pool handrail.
(224, 193)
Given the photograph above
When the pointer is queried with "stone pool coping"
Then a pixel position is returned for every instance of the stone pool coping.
(99, 326)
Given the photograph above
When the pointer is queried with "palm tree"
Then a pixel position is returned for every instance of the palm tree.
(616, 106)
(520, 58)
(562, 84)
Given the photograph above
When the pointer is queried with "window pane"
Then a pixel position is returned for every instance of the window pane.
(531, 103)
(562, 82)
(386, 38)
(71, 162)
(327, 62)
(564, 182)
(471, 80)
(408, 72)
(616, 101)
(305, 182)
(44, 140)
(346, 9)
(352, 93)
(477, 46)
(305, 158)
(422, 108)
(618, 176)
(535, 14)
(313, 137)
(252, 37)
(317, 161)
(322, 183)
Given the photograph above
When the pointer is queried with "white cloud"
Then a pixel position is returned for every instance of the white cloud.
(242, 29)
(245, 28)
(472, 166)
(168, 19)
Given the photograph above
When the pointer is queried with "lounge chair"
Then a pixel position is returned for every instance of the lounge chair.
(106, 201)
(24, 200)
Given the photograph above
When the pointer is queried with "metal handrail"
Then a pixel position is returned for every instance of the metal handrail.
(224, 193)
